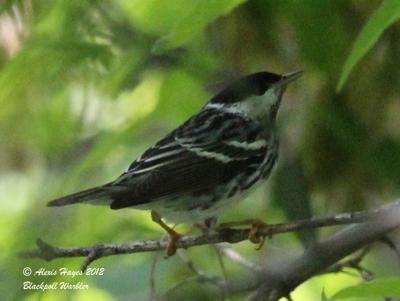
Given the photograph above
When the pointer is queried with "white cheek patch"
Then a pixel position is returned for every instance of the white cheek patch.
(259, 106)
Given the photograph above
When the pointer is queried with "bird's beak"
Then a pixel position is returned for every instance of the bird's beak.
(289, 77)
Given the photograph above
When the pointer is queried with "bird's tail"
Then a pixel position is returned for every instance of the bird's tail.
(97, 195)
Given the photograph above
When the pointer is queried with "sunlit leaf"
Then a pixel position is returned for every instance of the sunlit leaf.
(384, 287)
(153, 16)
(50, 63)
(204, 12)
(384, 16)
(180, 90)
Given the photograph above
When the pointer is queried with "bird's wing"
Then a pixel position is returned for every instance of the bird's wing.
(209, 149)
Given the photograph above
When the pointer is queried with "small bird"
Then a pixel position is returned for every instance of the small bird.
(208, 163)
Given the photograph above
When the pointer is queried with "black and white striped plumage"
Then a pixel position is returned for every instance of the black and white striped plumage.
(208, 162)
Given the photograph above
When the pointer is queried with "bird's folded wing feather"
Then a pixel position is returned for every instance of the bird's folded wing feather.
(205, 151)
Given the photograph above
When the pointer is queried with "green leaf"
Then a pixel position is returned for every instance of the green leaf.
(153, 17)
(384, 16)
(51, 63)
(204, 12)
(381, 288)
(180, 90)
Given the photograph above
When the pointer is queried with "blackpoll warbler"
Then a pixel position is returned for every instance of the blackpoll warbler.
(207, 163)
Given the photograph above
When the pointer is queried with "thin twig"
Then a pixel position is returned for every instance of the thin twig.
(238, 258)
(48, 252)
(221, 263)
(200, 276)
(273, 284)
(153, 294)
(390, 243)
(353, 263)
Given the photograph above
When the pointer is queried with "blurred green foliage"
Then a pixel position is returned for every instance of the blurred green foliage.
(383, 288)
(86, 86)
(385, 15)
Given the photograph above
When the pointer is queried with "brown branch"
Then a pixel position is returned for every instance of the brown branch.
(48, 252)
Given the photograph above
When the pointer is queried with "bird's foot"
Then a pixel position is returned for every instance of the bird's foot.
(173, 236)
(254, 235)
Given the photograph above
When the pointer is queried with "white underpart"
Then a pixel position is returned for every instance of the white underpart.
(248, 146)
(253, 107)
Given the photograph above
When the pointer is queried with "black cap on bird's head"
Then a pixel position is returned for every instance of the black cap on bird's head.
(255, 84)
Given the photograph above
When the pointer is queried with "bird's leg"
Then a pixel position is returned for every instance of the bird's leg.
(173, 236)
(254, 236)
(208, 225)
